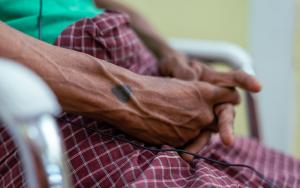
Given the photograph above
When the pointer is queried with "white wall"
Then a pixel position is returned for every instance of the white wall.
(272, 40)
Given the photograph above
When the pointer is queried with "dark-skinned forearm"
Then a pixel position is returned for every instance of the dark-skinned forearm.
(83, 84)
(155, 110)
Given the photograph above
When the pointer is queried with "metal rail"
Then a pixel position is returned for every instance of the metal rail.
(27, 109)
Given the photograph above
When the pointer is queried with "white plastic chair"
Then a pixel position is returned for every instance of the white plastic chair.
(27, 109)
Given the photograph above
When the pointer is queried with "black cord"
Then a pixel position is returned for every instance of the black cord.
(39, 24)
(220, 163)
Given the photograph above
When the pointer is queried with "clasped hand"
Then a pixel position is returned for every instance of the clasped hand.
(180, 66)
(184, 106)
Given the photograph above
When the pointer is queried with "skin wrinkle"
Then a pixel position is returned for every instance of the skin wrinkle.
(37, 51)
(119, 109)
(75, 85)
(81, 86)
(176, 128)
(200, 96)
(184, 123)
(158, 133)
(117, 81)
(152, 118)
(151, 115)
(179, 124)
(168, 106)
(179, 135)
(140, 107)
(22, 51)
(189, 120)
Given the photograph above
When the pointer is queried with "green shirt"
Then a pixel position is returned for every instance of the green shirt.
(56, 15)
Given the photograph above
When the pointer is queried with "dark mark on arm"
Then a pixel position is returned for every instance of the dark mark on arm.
(122, 92)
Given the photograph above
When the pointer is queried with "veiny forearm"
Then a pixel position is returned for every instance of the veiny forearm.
(82, 83)
(155, 110)
(148, 34)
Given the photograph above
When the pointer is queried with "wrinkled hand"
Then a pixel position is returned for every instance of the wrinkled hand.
(180, 66)
(171, 111)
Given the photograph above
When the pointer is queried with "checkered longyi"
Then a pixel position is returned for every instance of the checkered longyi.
(98, 160)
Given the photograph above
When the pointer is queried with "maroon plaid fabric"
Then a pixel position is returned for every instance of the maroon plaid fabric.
(109, 37)
(97, 159)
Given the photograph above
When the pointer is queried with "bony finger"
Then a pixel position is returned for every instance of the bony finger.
(236, 79)
(197, 145)
(230, 79)
(222, 95)
(225, 114)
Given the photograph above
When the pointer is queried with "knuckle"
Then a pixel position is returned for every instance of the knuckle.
(207, 118)
(208, 91)
(237, 97)
(232, 96)
(200, 90)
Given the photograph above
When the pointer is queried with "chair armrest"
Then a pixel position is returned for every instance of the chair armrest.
(223, 52)
(27, 109)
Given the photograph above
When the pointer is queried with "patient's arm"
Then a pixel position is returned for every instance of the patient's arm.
(155, 110)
